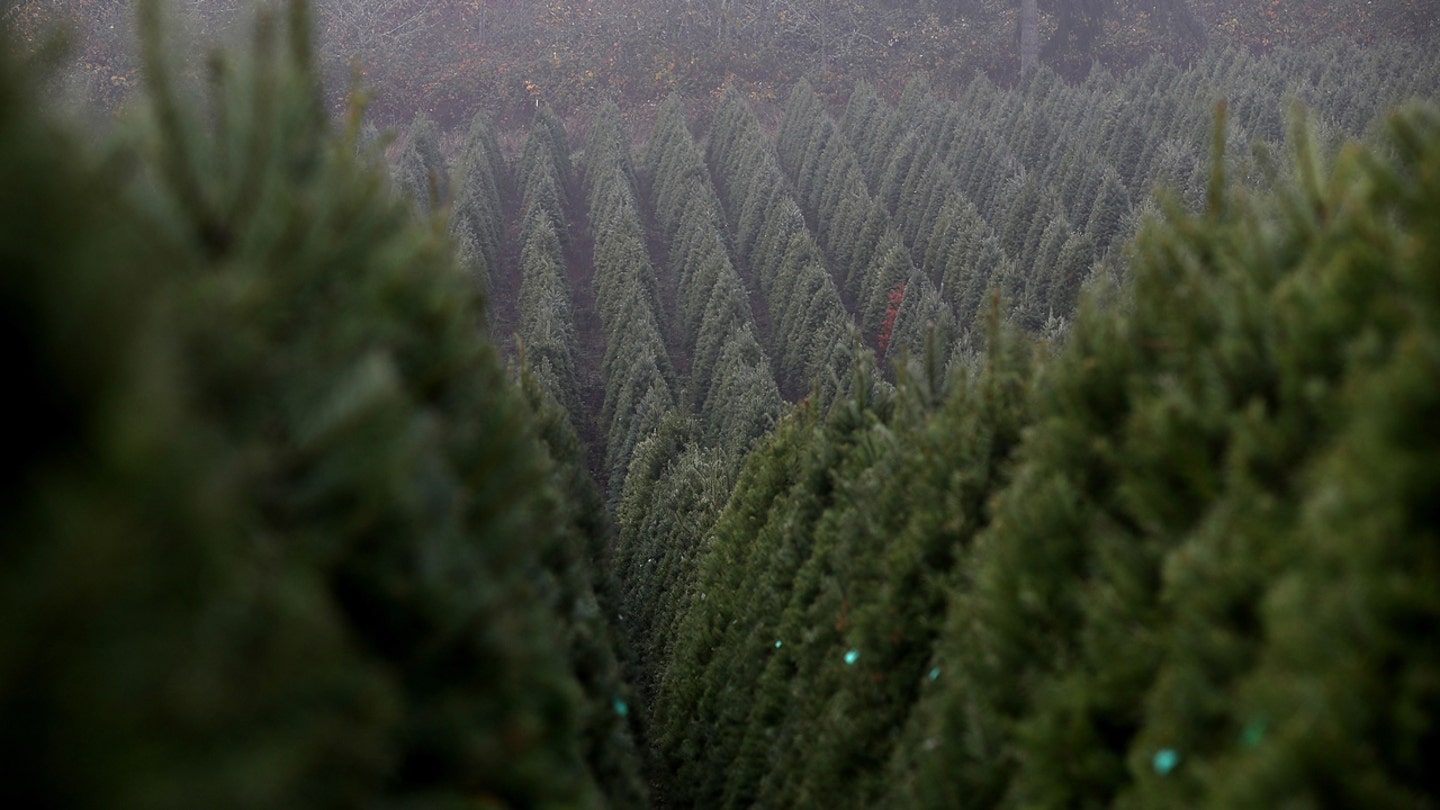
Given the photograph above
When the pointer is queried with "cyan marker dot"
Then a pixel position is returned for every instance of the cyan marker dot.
(935, 674)
(852, 656)
(621, 707)
(1165, 760)
(777, 645)
(1254, 733)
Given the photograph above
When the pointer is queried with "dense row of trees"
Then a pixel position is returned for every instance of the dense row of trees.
(887, 611)
(641, 386)
(547, 319)
(815, 629)
(1082, 498)
(477, 217)
(863, 247)
(547, 357)
(732, 385)
(987, 220)
(1188, 560)
(812, 337)
(680, 476)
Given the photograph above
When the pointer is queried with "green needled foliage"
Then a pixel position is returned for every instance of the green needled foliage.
(478, 219)
(812, 338)
(1186, 561)
(421, 172)
(581, 589)
(640, 383)
(732, 385)
(281, 534)
(1135, 509)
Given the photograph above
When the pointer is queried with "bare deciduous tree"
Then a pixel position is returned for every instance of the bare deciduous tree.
(372, 28)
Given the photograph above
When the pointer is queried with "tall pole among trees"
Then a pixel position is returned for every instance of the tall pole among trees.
(1029, 36)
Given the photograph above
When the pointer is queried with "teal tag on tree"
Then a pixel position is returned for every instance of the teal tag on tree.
(935, 673)
(621, 707)
(852, 656)
(777, 645)
(1165, 760)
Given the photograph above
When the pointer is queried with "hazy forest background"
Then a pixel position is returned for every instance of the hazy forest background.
(720, 403)
(453, 58)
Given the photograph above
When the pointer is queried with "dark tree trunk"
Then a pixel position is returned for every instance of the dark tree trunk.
(1029, 36)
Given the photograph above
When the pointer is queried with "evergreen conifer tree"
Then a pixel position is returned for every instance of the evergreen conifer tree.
(291, 541)
(421, 170)
(478, 218)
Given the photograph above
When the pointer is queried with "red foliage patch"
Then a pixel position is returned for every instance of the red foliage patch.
(887, 326)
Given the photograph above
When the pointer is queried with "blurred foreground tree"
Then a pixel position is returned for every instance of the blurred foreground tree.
(279, 531)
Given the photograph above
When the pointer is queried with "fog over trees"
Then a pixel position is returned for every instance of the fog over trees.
(452, 58)
(720, 403)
